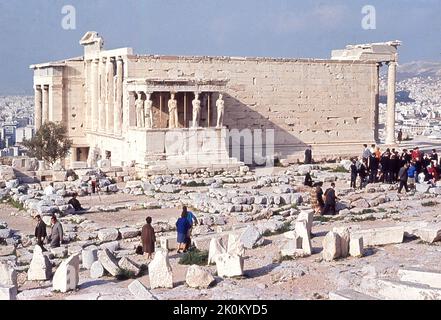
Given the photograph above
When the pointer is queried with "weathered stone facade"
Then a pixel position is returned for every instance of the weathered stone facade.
(330, 104)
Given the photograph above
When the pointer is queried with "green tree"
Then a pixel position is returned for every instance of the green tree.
(50, 143)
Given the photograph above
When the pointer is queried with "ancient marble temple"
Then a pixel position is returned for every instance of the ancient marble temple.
(148, 110)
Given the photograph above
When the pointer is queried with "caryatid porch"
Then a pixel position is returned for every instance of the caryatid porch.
(173, 104)
(179, 121)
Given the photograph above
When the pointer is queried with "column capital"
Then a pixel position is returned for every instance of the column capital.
(120, 58)
(96, 60)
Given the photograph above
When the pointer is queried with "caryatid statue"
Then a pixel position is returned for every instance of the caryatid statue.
(148, 103)
(139, 106)
(220, 104)
(196, 110)
(173, 112)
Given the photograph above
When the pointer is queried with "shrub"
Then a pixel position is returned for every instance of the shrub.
(125, 274)
(285, 228)
(194, 256)
(14, 203)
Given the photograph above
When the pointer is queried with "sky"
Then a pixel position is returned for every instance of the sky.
(31, 30)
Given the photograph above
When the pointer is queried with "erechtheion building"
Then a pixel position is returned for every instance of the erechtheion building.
(182, 110)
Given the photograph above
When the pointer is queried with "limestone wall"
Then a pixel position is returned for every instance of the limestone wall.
(304, 101)
(73, 114)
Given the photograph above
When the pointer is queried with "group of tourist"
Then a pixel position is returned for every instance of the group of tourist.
(392, 166)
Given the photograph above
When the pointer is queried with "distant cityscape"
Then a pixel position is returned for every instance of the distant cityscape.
(418, 109)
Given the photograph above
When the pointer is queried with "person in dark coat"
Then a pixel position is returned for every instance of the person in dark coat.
(308, 180)
(148, 238)
(308, 155)
(402, 176)
(75, 203)
(373, 168)
(330, 201)
(182, 227)
(56, 237)
(40, 232)
(353, 173)
(362, 173)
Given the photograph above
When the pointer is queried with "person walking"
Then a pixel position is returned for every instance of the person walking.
(362, 174)
(411, 174)
(56, 237)
(373, 168)
(40, 232)
(354, 172)
(182, 228)
(148, 238)
(403, 177)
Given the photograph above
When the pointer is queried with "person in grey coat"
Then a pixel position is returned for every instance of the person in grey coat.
(56, 237)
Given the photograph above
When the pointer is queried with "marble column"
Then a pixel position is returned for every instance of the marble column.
(102, 96)
(118, 96)
(45, 104)
(87, 99)
(94, 83)
(390, 113)
(109, 95)
(38, 107)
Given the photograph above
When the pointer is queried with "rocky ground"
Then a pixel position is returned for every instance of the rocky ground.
(260, 208)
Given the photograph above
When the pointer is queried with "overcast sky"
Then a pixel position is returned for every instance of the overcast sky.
(31, 30)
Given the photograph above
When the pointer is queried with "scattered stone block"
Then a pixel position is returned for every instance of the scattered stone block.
(198, 277)
(235, 247)
(380, 236)
(356, 247)
(8, 292)
(96, 270)
(216, 247)
(251, 237)
(127, 264)
(430, 233)
(60, 252)
(108, 234)
(400, 290)
(109, 262)
(331, 246)
(88, 256)
(228, 265)
(422, 187)
(40, 267)
(66, 277)
(343, 232)
(160, 271)
(127, 233)
(168, 243)
(349, 294)
(8, 275)
(308, 216)
(421, 276)
(140, 291)
(302, 239)
(7, 250)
